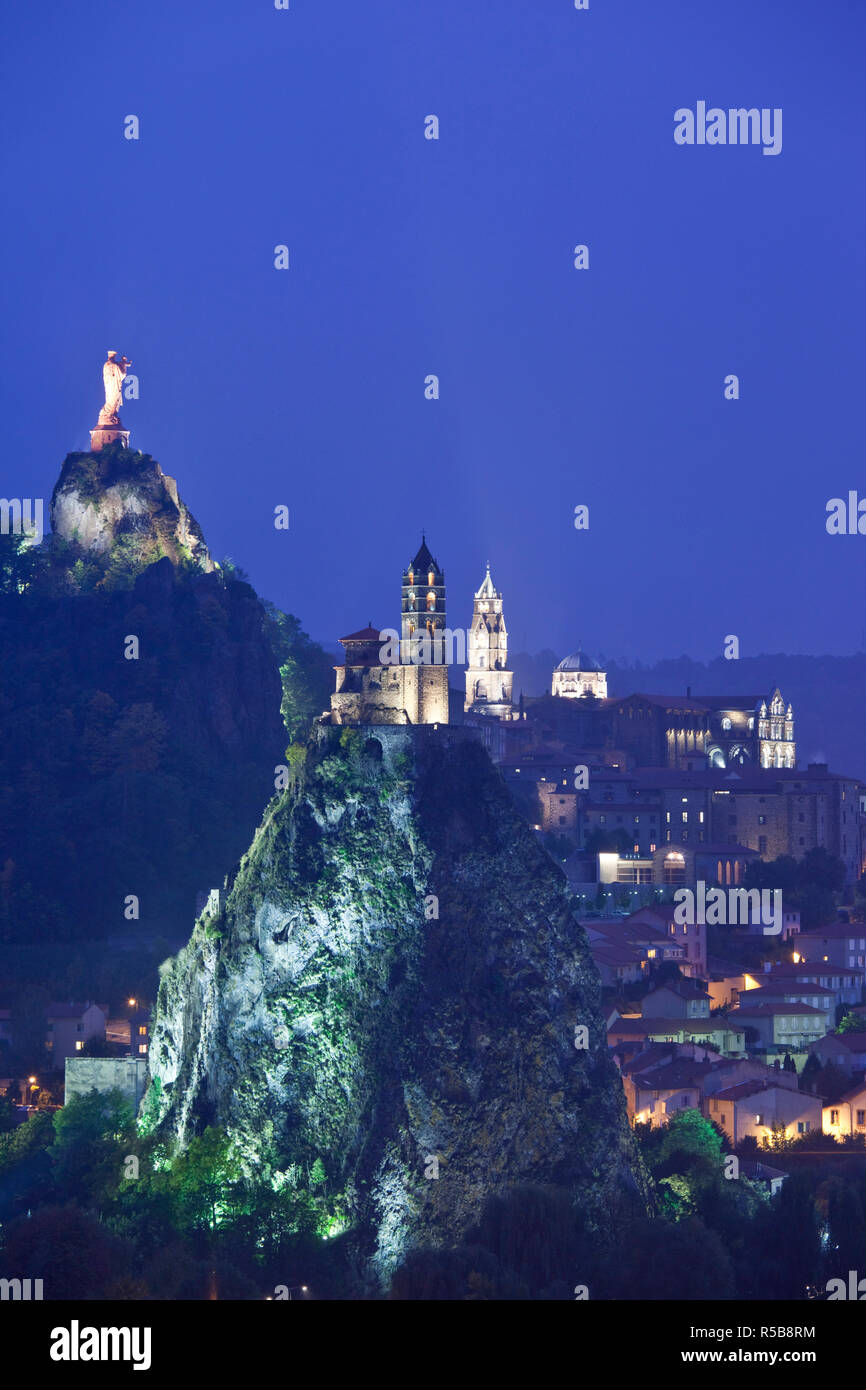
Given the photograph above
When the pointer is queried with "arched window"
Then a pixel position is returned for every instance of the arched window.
(411, 576)
(431, 601)
(726, 723)
(431, 578)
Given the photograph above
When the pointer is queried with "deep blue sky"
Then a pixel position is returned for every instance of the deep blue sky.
(409, 256)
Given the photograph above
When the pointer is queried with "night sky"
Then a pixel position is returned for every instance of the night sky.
(407, 257)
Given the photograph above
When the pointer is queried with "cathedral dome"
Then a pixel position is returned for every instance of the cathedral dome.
(578, 661)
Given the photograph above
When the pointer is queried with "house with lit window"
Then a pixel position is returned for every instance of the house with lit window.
(758, 1107)
(843, 943)
(69, 1026)
(139, 1032)
(654, 1097)
(653, 945)
(617, 965)
(662, 1079)
(786, 1027)
(847, 1115)
(691, 935)
(715, 1032)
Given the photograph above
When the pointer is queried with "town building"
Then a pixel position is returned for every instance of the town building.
(125, 1074)
(847, 1115)
(578, 676)
(760, 1107)
(842, 943)
(778, 1026)
(488, 680)
(847, 1051)
(69, 1026)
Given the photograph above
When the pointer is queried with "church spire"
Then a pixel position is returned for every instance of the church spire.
(488, 683)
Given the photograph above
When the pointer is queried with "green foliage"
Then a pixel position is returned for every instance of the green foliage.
(8, 1113)
(93, 1134)
(600, 841)
(850, 1023)
(204, 1178)
(18, 1145)
(811, 885)
(129, 772)
(306, 671)
(778, 1139)
(69, 1249)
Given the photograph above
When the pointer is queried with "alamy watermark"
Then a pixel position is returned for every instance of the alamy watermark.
(444, 647)
(729, 907)
(22, 516)
(735, 126)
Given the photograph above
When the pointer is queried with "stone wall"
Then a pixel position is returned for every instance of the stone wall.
(125, 1074)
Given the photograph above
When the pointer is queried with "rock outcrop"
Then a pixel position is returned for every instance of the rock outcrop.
(119, 776)
(395, 987)
(119, 495)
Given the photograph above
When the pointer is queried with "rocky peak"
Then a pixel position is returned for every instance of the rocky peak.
(395, 993)
(121, 498)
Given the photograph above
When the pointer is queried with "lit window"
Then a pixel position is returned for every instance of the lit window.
(79, 1045)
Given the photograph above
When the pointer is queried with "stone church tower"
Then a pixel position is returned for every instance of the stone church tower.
(488, 683)
(423, 611)
(388, 678)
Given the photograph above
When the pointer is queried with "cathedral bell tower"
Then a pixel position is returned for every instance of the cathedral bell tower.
(422, 617)
(488, 683)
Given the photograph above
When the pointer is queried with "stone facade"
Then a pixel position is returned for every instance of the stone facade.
(488, 681)
(388, 678)
(422, 608)
(578, 675)
(125, 1074)
(389, 694)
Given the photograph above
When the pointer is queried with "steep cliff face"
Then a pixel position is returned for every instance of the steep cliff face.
(132, 773)
(393, 987)
(120, 496)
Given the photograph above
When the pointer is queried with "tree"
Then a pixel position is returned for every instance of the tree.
(810, 1076)
(8, 1113)
(93, 1134)
(67, 1248)
(306, 670)
(850, 1023)
(204, 1178)
(20, 563)
(833, 1082)
(669, 1261)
